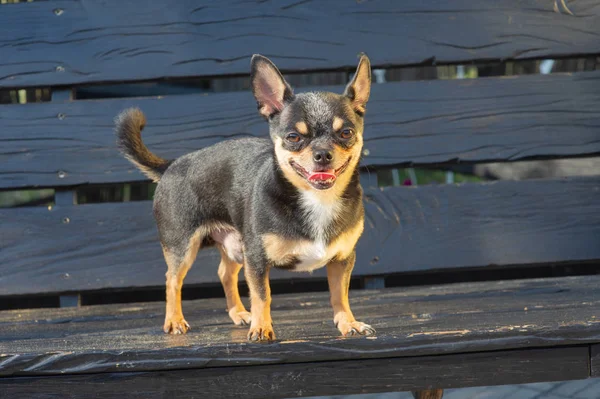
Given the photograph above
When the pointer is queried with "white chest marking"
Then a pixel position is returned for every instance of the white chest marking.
(320, 215)
(313, 254)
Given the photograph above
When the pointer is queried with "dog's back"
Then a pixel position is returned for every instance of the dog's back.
(213, 184)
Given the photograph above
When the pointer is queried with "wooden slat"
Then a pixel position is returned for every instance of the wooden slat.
(317, 379)
(82, 42)
(410, 322)
(506, 223)
(410, 122)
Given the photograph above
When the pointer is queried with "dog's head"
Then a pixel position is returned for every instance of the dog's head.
(317, 136)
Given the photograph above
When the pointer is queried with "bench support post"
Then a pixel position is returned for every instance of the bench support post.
(428, 394)
(374, 283)
(66, 197)
(69, 301)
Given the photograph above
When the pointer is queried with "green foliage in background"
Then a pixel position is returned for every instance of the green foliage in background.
(23, 197)
(424, 176)
(145, 191)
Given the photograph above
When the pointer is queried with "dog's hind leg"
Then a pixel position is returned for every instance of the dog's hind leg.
(228, 273)
(179, 261)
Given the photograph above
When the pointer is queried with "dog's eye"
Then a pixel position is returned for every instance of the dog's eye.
(346, 134)
(293, 137)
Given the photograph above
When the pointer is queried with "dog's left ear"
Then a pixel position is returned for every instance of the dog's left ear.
(270, 89)
(359, 88)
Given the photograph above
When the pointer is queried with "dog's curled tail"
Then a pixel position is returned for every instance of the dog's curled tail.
(129, 126)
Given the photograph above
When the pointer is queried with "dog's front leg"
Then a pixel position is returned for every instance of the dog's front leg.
(261, 325)
(338, 277)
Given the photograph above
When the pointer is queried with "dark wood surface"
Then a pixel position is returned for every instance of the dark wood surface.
(410, 122)
(319, 378)
(115, 245)
(420, 321)
(595, 364)
(82, 42)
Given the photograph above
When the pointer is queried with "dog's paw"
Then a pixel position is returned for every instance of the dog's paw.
(261, 333)
(349, 329)
(176, 325)
(240, 318)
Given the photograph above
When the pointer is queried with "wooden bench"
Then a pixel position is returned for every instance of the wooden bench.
(430, 336)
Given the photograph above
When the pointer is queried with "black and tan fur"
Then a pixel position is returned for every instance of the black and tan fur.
(257, 199)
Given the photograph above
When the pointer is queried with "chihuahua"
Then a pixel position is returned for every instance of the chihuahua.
(292, 202)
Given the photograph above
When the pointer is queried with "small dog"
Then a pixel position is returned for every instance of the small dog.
(293, 202)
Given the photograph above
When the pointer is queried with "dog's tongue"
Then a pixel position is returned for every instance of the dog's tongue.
(321, 176)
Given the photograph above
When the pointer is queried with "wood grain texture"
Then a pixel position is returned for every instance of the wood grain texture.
(419, 321)
(87, 41)
(115, 245)
(407, 123)
(316, 379)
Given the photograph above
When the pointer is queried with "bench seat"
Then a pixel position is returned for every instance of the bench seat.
(67, 68)
(468, 334)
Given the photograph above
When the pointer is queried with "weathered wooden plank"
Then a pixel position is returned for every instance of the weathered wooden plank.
(83, 42)
(595, 362)
(115, 245)
(307, 379)
(472, 225)
(410, 122)
(434, 320)
(420, 321)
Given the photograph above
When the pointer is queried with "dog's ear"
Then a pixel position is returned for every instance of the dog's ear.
(270, 89)
(359, 88)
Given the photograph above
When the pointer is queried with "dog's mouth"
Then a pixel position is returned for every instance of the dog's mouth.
(320, 178)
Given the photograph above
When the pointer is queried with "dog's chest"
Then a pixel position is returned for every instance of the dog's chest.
(319, 216)
(301, 255)
(308, 255)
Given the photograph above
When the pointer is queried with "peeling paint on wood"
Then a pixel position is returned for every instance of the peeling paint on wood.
(436, 333)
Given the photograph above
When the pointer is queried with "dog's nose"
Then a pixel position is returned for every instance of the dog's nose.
(322, 157)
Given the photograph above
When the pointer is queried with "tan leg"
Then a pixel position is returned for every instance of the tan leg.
(338, 277)
(178, 266)
(261, 326)
(228, 274)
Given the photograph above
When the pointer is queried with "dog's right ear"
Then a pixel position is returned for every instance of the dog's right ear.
(270, 89)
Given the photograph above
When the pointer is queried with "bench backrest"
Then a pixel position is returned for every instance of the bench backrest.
(68, 142)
